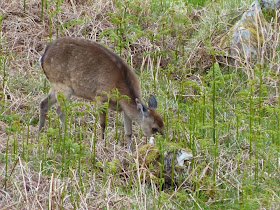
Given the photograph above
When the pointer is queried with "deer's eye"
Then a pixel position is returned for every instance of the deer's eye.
(154, 130)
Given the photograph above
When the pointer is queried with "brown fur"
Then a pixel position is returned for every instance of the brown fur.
(85, 69)
(157, 118)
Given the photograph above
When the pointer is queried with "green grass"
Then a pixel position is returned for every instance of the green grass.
(230, 120)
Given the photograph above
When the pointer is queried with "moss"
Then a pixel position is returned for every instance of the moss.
(149, 153)
(255, 29)
(187, 150)
(149, 158)
(247, 35)
(171, 147)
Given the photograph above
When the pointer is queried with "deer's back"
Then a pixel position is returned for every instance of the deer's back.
(87, 68)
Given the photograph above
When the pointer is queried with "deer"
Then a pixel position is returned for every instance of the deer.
(85, 69)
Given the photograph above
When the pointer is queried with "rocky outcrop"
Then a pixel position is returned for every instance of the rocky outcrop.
(250, 38)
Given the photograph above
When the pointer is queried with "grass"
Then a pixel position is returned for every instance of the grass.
(228, 116)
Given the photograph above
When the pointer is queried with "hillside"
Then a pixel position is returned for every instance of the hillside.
(226, 113)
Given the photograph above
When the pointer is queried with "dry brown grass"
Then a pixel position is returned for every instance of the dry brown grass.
(23, 39)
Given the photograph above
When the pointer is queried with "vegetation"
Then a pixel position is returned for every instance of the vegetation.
(228, 116)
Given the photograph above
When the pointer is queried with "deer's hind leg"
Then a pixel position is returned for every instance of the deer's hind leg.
(67, 93)
(50, 100)
(45, 105)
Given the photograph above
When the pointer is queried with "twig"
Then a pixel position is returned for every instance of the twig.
(175, 192)
(195, 201)
(24, 184)
(51, 192)
(11, 171)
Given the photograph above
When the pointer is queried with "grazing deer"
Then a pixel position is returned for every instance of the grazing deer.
(85, 69)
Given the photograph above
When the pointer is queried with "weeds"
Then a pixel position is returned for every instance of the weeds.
(228, 116)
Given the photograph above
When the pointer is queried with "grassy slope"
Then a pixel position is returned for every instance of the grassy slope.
(235, 142)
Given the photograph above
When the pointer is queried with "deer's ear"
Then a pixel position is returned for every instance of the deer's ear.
(152, 103)
(141, 108)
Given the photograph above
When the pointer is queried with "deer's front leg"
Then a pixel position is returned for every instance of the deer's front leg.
(102, 117)
(128, 131)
